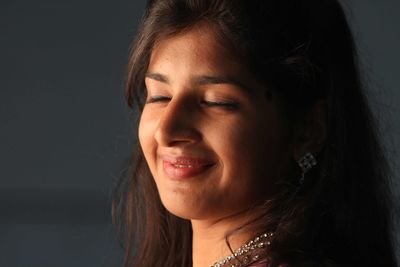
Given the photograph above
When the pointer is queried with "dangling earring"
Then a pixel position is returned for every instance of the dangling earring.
(306, 162)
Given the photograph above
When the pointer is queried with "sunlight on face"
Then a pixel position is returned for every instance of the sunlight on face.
(213, 142)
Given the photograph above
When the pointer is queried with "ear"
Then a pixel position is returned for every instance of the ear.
(311, 134)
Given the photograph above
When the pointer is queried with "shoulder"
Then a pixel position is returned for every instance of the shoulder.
(266, 264)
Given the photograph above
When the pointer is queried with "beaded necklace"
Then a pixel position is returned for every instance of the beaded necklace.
(247, 253)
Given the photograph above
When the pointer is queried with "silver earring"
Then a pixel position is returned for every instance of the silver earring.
(306, 162)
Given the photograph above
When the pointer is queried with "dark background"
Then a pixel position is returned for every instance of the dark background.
(65, 132)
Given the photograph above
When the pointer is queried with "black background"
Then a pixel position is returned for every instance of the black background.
(65, 132)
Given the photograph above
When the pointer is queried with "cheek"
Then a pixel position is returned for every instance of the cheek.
(250, 152)
(230, 141)
(146, 137)
(245, 139)
(143, 131)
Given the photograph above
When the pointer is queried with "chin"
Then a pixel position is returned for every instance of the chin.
(184, 207)
(182, 212)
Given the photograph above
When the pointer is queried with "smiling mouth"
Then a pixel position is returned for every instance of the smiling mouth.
(182, 166)
(185, 167)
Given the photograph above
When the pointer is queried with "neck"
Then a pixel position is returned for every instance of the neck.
(209, 239)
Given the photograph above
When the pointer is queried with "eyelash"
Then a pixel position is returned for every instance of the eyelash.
(160, 98)
(226, 105)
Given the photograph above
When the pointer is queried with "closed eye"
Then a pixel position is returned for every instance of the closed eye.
(158, 98)
(226, 105)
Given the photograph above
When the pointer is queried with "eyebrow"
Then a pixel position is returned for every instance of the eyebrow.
(201, 80)
(157, 76)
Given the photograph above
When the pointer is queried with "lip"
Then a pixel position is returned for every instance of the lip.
(184, 167)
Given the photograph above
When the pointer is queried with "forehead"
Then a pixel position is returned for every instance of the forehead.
(199, 43)
(198, 52)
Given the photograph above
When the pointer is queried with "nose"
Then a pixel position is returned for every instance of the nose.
(177, 124)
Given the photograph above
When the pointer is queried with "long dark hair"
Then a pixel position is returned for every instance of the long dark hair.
(304, 51)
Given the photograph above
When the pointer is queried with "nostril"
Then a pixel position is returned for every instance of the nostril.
(176, 134)
(178, 123)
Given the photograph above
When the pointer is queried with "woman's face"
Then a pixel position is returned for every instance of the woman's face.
(212, 140)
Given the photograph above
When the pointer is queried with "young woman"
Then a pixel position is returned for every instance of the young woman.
(256, 144)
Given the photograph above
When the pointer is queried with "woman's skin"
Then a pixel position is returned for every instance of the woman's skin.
(214, 143)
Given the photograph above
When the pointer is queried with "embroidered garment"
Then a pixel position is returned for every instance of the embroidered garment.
(266, 264)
